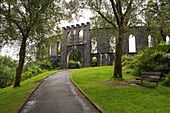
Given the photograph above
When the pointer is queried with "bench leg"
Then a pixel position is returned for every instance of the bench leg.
(156, 84)
(141, 82)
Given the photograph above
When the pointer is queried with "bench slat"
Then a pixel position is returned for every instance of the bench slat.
(138, 78)
(151, 73)
(149, 76)
(149, 79)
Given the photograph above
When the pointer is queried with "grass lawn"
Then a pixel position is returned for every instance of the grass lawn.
(118, 96)
(12, 98)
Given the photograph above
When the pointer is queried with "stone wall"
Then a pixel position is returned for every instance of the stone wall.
(83, 47)
(103, 36)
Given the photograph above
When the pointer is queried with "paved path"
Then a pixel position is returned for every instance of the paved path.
(57, 95)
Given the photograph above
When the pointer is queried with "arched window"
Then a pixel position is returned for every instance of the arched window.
(69, 38)
(81, 37)
(94, 45)
(50, 51)
(94, 62)
(149, 41)
(167, 39)
(59, 48)
(112, 44)
(132, 43)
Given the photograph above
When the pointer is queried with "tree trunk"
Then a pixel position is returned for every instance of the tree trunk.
(21, 62)
(118, 55)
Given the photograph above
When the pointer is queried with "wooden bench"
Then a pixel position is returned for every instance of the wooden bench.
(151, 77)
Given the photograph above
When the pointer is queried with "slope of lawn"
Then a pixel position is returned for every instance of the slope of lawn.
(12, 98)
(97, 83)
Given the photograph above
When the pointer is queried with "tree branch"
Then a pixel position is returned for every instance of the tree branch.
(8, 17)
(20, 14)
(115, 12)
(128, 8)
(107, 20)
(119, 8)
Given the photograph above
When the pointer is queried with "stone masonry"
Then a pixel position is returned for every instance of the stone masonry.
(71, 41)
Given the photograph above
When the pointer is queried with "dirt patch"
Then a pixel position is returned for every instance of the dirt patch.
(125, 83)
(149, 87)
(37, 81)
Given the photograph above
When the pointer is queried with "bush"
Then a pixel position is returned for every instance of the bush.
(127, 61)
(164, 64)
(32, 71)
(163, 47)
(94, 62)
(46, 64)
(73, 64)
(147, 61)
(28, 65)
(167, 81)
(32, 68)
(7, 71)
(150, 59)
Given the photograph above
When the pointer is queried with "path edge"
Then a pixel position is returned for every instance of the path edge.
(26, 100)
(90, 101)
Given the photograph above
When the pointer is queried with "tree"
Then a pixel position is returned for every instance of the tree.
(157, 20)
(28, 22)
(120, 14)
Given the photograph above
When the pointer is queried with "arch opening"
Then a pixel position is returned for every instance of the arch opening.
(59, 48)
(149, 41)
(74, 59)
(132, 44)
(94, 45)
(80, 38)
(167, 39)
(69, 38)
(94, 62)
(112, 44)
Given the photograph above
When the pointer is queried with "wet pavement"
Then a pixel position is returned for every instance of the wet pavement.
(57, 94)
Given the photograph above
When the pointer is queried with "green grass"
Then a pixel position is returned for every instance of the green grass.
(120, 99)
(12, 98)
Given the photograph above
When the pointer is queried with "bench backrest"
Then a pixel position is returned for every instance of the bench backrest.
(151, 75)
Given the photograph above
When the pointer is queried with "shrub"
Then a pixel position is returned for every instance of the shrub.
(127, 60)
(32, 68)
(35, 69)
(167, 81)
(32, 71)
(94, 62)
(150, 59)
(7, 71)
(28, 65)
(163, 47)
(73, 64)
(147, 61)
(46, 64)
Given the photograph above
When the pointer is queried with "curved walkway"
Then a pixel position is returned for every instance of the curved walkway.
(57, 94)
